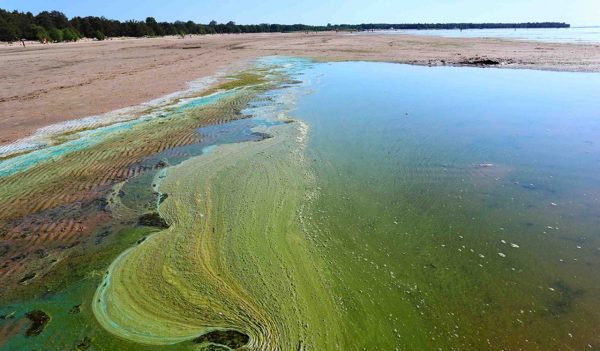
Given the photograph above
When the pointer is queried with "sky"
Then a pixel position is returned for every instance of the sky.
(575, 12)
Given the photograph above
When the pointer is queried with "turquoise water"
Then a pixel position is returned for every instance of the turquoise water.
(458, 205)
(89, 138)
(557, 35)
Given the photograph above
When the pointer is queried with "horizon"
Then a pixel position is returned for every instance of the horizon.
(577, 13)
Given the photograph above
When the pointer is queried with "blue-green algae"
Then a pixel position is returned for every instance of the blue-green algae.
(453, 209)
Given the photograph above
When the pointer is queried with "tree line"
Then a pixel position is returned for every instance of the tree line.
(420, 26)
(56, 27)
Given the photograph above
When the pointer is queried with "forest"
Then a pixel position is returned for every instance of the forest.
(54, 26)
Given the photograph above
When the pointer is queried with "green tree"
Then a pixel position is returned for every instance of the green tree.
(56, 35)
(8, 32)
(16, 25)
(99, 35)
(70, 34)
(43, 19)
(59, 20)
(154, 28)
(40, 33)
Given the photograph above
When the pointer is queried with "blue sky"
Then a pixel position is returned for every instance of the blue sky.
(576, 12)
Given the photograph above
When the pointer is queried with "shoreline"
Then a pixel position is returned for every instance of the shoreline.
(48, 84)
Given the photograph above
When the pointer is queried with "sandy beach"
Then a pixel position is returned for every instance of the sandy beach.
(46, 84)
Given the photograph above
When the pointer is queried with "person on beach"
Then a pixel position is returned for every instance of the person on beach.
(23, 42)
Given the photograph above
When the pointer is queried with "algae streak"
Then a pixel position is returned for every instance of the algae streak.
(234, 258)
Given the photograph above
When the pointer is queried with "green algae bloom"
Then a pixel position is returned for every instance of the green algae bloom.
(315, 206)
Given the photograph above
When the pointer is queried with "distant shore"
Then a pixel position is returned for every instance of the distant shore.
(46, 84)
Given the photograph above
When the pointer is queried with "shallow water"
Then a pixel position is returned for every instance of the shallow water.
(405, 208)
(459, 205)
(580, 35)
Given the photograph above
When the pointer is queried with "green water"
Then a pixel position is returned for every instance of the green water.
(458, 206)
(365, 206)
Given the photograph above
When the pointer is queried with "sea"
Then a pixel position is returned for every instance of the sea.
(580, 35)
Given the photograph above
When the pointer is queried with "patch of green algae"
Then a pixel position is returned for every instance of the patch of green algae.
(73, 279)
(235, 257)
(243, 79)
(69, 288)
(239, 80)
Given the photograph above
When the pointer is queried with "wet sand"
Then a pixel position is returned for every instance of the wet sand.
(46, 84)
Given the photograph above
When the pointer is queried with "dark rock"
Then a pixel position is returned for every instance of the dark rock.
(162, 163)
(18, 257)
(230, 338)
(162, 198)
(152, 219)
(480, 62)
(27, 277)
(75, 309)
(84, 344)
(39, 319)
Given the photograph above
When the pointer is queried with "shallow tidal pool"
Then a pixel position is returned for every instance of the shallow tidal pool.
(317, 206)
(458, 206)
